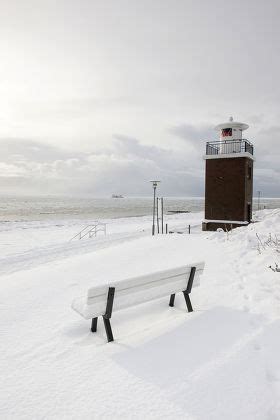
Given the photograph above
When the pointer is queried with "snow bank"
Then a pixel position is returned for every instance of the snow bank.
(219, 362)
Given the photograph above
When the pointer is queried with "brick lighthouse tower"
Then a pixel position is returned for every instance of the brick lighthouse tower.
(228, 178)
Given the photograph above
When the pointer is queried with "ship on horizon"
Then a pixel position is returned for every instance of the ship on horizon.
(117, 196)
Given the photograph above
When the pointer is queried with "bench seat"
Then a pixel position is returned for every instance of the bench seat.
(136, 290)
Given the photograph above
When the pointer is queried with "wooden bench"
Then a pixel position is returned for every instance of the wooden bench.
(133, 291)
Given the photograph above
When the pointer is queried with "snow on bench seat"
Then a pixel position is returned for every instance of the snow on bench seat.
(136, 290)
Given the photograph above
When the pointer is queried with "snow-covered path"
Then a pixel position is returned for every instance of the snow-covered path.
(219, 362)
(49, 253)
(25, 245)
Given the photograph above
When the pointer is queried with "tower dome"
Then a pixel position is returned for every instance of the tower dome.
(231, 130)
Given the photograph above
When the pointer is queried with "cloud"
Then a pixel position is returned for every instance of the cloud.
(11, 171)
(267, 155)
(64, 110)
(196, 136)
(267, 140)
(20, 149)
(126, 167)
(256, 119)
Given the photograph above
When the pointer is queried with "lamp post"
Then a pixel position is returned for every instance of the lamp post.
(259, 197)
(154, 183)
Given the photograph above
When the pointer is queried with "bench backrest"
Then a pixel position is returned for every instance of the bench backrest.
(137, 290)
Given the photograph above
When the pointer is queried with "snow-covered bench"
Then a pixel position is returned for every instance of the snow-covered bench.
(133, 291)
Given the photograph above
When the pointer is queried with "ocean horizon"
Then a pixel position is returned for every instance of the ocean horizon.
(29, 208)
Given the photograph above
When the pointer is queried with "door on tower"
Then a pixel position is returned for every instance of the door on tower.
(249, 212)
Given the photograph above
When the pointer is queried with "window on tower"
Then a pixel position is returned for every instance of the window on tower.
(227, 132)
(249, 176)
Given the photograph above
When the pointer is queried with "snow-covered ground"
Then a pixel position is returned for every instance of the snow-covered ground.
(219, 362)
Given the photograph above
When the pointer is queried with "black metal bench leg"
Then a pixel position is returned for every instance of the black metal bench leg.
(108, 313)
(171, 301)
(94, 324)
(108, 329)
(188, 302)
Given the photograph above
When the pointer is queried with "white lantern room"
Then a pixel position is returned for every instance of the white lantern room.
(231, 136)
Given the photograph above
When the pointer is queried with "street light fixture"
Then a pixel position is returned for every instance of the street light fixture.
(155, 184)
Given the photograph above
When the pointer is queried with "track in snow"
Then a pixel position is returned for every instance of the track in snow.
(37, 256)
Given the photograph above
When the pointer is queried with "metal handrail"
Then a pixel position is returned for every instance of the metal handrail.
(229, 146)
(93, 230)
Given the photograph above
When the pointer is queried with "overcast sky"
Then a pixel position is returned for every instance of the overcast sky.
(99, 97)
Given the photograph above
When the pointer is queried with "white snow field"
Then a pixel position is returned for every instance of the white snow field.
(219, 362)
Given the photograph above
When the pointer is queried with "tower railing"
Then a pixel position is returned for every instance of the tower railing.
(229, 146)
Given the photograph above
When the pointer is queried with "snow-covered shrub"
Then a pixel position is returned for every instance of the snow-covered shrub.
(272, 241)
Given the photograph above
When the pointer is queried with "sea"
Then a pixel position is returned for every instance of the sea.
(45, 208)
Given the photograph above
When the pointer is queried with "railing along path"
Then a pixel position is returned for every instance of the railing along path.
(90, 231)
